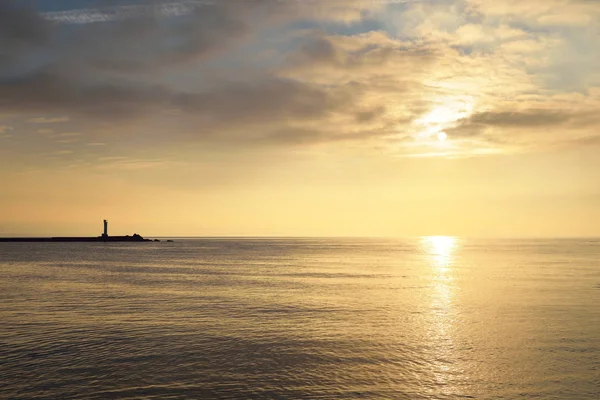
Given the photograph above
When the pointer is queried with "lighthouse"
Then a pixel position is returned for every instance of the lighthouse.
(105, 234)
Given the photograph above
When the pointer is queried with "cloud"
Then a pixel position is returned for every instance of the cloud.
(273, 99)
(123, 12)
(362, 55)
(530, 118)
(21, 25)
(141, 36)
(144, 36)
(270, 98)
(51, 92)
(4, 129)
(287, 73)
(178, 8)
(49, 120)
(529, 129)
(70, 134)
(541, 12)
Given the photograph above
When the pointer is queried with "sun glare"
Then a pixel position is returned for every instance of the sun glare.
(441, 245)
(440, 249)
(444, 115)
(440, 115)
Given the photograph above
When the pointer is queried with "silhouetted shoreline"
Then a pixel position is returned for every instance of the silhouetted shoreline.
(134, 238)
(102, 238)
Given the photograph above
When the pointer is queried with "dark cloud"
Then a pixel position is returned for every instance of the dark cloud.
(149, 41)
(96, 64)
(531, 118)
(139, 37)
(244, 108)
(319, 51)
(51, 92)
(22, 32)
(316, 49)
(295, 136)
(93, 68)
(272, 99)
(21, 25)
(477, 123)
(465, 130)
(75, 64)
(477, 126)
(369, 115)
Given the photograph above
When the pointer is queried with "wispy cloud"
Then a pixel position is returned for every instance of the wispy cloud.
(49, 120)
(180, 8)
(123, 12)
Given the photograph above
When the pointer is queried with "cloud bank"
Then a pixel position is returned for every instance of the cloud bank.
(494, 77)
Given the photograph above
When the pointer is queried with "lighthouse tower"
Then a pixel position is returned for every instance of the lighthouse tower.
(105, 234)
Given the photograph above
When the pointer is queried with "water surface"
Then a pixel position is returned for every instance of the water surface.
(429, 318)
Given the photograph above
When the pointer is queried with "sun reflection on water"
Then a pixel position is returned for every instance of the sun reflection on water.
(439, 252)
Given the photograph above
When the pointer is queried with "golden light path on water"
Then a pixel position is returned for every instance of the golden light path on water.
(440, 254)
(441, 250)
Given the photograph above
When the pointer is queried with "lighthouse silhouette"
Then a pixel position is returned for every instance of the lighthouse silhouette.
(105, 234)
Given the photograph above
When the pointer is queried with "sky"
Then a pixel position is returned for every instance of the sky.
(475, 118)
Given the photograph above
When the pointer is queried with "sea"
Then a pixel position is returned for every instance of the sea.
(301, 318)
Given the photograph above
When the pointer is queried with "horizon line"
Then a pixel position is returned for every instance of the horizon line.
(381, 237)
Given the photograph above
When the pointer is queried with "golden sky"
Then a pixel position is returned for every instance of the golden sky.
(300, 118)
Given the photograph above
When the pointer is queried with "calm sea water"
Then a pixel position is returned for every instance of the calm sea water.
(430, 318)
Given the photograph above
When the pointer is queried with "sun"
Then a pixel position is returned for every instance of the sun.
(444, 114)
